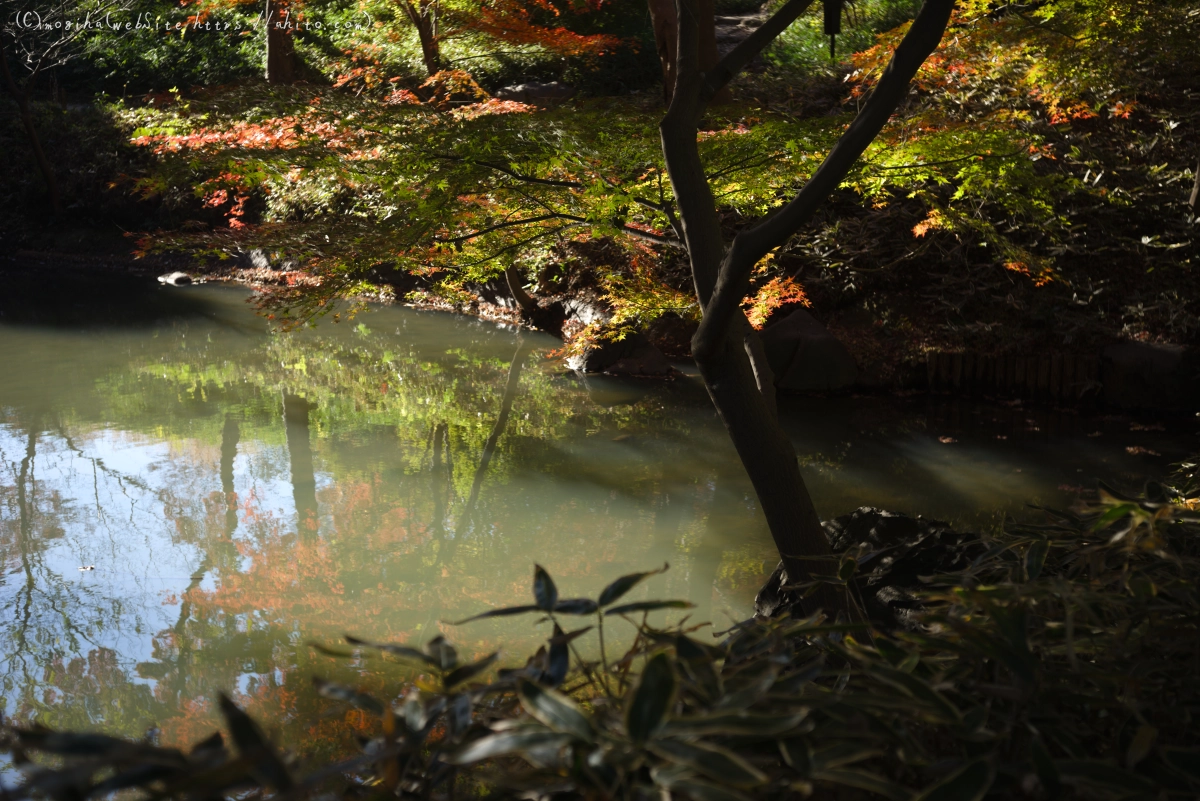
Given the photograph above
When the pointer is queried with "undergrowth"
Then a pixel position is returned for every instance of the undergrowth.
(1058, 661)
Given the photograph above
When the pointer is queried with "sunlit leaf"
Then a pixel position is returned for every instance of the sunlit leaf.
(340, 692)
(554, 710)
(508, 742)
(711, 760)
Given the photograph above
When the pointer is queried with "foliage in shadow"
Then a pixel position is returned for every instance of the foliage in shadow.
(1055, 660)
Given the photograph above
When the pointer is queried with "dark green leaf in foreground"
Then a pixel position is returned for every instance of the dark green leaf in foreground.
(442, 653)
(558, 658)
(969, 783)
(554, 710)
(1102, 774)
(624, 584)
(1035, 558)
(683, 781)
(1184, 760)
(863, 780)
(95, 745)
(469, 671)
(1044, 766)
(340, 692)
(400, 651)
(1114, 514)
(734, 723)
(648, 606)
(508, 742)
(919, 690)
(264, 763)
(1139, 746)
(575, 606)
(652, 698)
(711, 760)
(545, 594)
(502, 612)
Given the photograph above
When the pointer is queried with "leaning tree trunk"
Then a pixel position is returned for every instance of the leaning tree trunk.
(21, 96)
(726, 349)
(665, 22)
(423, 16)
(281, 49)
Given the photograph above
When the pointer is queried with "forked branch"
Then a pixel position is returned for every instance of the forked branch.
(753, 243)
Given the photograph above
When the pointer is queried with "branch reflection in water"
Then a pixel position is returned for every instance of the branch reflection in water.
(242, 493)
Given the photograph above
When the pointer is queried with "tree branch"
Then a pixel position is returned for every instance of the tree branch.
(736, 60)
(627, 229)
(752, 244)
(659, 239)
(699, 224)
(511, 224)
(529, 179)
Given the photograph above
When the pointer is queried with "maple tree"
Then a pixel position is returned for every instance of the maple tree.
(512, 22)
(461, 194)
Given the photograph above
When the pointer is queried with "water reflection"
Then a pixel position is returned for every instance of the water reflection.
(242, 493)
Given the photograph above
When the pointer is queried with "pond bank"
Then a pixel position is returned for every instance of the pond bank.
(1122, 375)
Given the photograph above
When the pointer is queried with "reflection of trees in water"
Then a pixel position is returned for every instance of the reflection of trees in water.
(429, 514)
(59, 629)
(300, 457)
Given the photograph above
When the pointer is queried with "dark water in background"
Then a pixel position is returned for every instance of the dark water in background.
(242, 493)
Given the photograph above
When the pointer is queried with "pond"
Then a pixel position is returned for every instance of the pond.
(237, 494)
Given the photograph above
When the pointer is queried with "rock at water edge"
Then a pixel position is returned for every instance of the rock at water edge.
(175, 279)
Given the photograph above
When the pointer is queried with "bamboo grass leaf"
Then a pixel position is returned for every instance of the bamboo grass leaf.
(624, 584)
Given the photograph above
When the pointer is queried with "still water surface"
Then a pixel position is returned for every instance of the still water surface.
(241, 494)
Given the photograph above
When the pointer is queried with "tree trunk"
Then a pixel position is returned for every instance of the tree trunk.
(304, 480)
(230, 435)
(665, 22)
(726, 350)
(770, 461)
(424, 19)
(281, 51)
(489, 447)
(21, 96)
